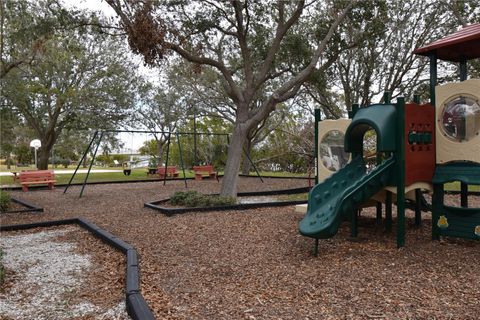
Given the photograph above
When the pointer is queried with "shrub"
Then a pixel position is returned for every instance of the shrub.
(196, 199)
(4, 201)
(179, 197)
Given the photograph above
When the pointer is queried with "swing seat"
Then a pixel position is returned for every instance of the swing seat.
(170, 171)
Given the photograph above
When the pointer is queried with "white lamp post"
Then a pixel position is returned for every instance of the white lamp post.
(35, 144)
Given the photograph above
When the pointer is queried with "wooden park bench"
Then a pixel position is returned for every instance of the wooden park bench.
(28, 178)
(170, 171)
(205, 172)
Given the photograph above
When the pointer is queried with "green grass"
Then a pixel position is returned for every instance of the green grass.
(455, 186)
(136, 174)
(293, 197)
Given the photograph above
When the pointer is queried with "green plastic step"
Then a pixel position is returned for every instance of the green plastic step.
(323, 218)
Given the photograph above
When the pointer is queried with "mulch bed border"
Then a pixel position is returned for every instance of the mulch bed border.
(30, 207)
(156, 205)
(275, 177)
(137, 307)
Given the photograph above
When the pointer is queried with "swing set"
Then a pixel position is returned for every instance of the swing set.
(99, 134)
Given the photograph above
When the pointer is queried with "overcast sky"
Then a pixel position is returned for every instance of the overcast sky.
(95, 5)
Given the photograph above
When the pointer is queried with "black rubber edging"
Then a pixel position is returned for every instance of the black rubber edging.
(29, 207)
(156, 205)
(137, 307)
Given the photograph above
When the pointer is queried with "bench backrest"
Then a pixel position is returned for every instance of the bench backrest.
(208, 169)
(169, 169)
(37, 175)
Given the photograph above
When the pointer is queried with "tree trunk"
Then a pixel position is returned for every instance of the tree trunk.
(160, 151)
(246, 165)
(45, 150)
(9, 159)
(230, 179)
(42, 158)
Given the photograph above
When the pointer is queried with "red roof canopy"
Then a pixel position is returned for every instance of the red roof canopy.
(463, 44)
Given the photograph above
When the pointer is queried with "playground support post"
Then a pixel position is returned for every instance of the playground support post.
(317, 115)
(463, 195)
(80, 162)
(379, 213)
(463, 186)
(386, 97)
(437, 203)
(418, 209)
(166, 159)
(463, 70)
(388, 211)
(433, 77)
(400, 154)
(195, 160)
(181, 159)
(386, 100)
(91, 164)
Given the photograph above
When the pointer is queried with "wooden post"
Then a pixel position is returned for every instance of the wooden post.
(400, 154)
(437, 204)
(433, 77)
(388, 211)
(418, 208)
(317, 115)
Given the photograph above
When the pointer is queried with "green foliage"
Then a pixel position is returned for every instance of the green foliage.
(23, 154)
(109, 160)
(153, 163)
(196, 199)
(4, 201)
(149, 148)
(76, 78)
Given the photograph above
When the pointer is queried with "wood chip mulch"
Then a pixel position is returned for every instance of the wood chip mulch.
(253, 264)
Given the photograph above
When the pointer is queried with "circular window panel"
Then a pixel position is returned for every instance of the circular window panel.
(460, 118)
(332, 152)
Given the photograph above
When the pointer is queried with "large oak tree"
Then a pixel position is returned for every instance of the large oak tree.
(254, 47)
(79, 80)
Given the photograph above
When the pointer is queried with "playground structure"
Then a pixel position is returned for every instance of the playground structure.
(420, 147)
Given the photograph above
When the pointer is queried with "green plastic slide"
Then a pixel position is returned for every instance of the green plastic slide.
(338, 196)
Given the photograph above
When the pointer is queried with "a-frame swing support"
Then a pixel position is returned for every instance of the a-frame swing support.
(102, 132)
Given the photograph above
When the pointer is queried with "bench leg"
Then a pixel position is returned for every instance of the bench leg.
(198, 177)
(24, 188)
(51, 186)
